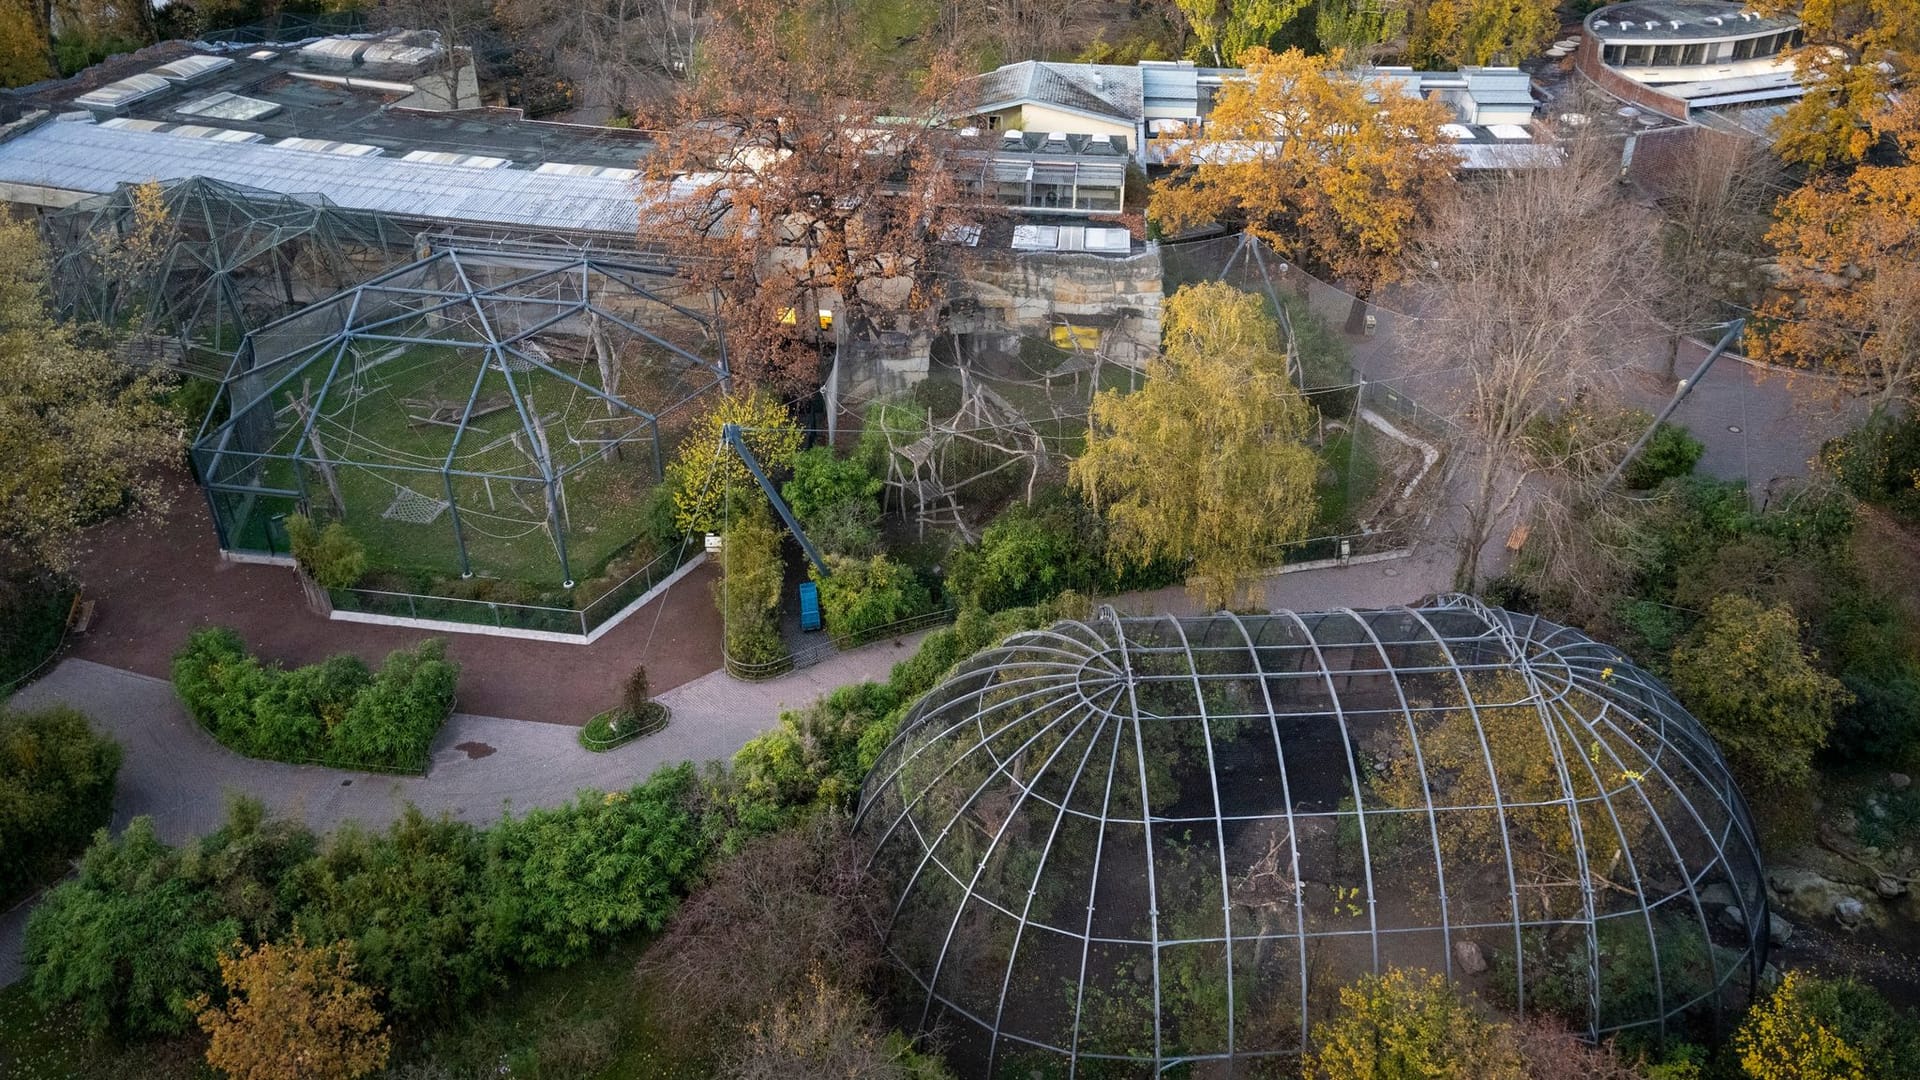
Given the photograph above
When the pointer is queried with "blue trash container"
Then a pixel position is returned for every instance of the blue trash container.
(809, 606)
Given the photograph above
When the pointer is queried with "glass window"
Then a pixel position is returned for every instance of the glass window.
(1664, 55)
(1639, 55)
(1743, 49)
(1613, 55)
(1693, 54)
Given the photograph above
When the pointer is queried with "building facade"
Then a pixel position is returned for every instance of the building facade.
(1676, 56)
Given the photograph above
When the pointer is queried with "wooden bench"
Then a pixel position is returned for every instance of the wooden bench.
(80, 615)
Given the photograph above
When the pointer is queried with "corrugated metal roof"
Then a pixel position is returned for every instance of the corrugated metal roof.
(91, 158)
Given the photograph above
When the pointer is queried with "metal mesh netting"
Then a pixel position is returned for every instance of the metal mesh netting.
(1139, 845)
(531, 397)
(207, 261)
(994, 405)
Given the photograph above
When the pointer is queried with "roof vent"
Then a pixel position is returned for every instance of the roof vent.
(1717, 21)
(1652, 25)
(1675, 23)
(1014, 133)
(1056, 136)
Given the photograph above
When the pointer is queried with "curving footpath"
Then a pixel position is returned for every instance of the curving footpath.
(482, 766)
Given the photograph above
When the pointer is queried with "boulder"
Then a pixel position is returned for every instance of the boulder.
(1469, 958)
(1717, 895)
(1779, 930)
(1899, 781)
(1733, 919)
(1849, 912)
(1811, 897)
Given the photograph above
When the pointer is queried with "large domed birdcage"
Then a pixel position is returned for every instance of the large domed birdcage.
(1142, 845)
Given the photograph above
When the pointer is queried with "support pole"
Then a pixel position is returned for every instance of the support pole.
(459, 535)
(1679, 394)
(730, 440)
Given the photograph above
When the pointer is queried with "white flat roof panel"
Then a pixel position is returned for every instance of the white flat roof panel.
(94, 159)
(1509, 131)
(189, 68)
(125, 92)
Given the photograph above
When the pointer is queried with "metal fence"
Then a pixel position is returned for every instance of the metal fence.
(582, 620)
(816, 649)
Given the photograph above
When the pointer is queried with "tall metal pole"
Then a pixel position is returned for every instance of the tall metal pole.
(1680, 393)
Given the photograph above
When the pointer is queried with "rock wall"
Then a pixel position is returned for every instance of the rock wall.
(999, 297)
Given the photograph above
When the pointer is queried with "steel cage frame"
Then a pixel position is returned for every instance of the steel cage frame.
(1620, 748)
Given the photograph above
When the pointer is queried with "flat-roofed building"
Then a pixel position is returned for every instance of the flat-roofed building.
(1676, 56)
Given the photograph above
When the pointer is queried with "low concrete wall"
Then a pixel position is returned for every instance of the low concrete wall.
(447, 627)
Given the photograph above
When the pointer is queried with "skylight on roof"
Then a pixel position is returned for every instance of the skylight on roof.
(322, 146)
(229, 106)
(465, 161)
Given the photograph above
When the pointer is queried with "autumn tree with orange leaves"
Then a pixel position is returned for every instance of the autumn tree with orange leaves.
(294, 1012)
(806, 177)
(1856, 51)
(1334, 169)
(1847, 295)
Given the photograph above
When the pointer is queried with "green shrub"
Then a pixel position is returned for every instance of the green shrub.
(56, 788)
(1673, 451)
(822, 480)
(392, 720)
(332, 557)
(132, 939)
(604, 864)
(33, 620)
(417, 903)
(749, 590)
(334, 712)
(1030, 554)
(862, 596)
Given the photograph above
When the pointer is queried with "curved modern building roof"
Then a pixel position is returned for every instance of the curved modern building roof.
(1682, 21)
(1142, 843)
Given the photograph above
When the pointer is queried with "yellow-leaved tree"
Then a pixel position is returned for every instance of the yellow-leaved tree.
(294, 1012)
(704, 471)
(1410, 1024)
(1847, 295)
(1332, 167)
(1449, 33)
(1207, 462)
(1223, 29)
(1856, 51)
(1782, 1039)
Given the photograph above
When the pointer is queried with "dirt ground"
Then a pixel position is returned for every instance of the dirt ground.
(156, 581)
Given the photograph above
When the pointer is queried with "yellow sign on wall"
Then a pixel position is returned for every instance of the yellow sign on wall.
(1076, 337)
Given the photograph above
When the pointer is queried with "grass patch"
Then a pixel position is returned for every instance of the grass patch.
(1352, 477)
(618, 727)
(36, 1045)
(588, 1020)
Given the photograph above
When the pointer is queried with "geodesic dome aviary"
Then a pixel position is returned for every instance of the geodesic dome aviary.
(500, 413)
(204, 262)
(1132, 846)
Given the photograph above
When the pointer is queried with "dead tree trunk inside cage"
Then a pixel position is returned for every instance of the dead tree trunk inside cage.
(303, 410)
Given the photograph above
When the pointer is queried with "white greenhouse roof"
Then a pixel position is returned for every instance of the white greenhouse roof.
(94, 159)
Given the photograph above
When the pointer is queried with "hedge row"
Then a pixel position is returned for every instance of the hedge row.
(336, 712)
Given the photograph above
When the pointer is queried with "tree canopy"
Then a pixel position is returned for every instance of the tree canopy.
(1206, 462)
(293, 1012)
(805, 177)
(1747, 678)
(1223, 29)
(1847, 296)
(704, 472)
(1334, 169)
(79, 431)
(1451, 33)
(1855, 52)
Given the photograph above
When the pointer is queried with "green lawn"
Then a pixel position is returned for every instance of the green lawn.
(1355, 477)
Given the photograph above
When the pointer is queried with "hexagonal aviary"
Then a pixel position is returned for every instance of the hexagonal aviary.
(1132, 846)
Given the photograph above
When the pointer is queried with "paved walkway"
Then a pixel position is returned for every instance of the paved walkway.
(482, 766)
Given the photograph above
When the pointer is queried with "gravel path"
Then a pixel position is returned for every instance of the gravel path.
(482, 766)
